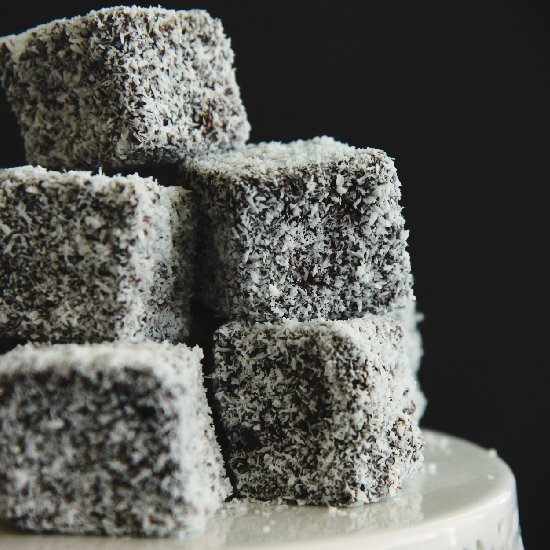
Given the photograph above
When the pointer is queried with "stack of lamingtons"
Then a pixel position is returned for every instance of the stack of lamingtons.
(300, 249)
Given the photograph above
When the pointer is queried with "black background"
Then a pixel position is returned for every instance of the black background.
(459, 94)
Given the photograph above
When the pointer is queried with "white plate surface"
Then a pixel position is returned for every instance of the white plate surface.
(465, 498)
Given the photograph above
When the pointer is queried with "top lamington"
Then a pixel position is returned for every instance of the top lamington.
(123, 86)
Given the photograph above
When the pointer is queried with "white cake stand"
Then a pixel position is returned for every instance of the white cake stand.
(465, 499)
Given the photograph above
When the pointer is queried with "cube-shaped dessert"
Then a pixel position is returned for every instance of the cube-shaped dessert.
(87, 258)
(305, 230)
(316, 412)
(123, 86)
(112, 438)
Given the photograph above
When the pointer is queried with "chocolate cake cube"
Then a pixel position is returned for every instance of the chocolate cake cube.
(123, 86)
(87, 258)
(112, 438)
(316, 412)
(304, 230)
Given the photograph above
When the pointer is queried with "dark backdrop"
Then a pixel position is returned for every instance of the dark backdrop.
(459, 95)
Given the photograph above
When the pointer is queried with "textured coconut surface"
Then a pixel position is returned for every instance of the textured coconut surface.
(317, 412)
(89, 257)
(409, 319)
(110, 438)
(123, 86)
(300, 231)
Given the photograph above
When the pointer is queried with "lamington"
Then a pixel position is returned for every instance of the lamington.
(123, 86)
(88, 258)
(304, 230)
(316, 412)
(112, 438)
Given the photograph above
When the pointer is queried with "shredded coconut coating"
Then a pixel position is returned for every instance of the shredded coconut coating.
(409, 319)
(112, 438)
(316, 412)
(87, 258)
(123, 85)
(304, 230)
